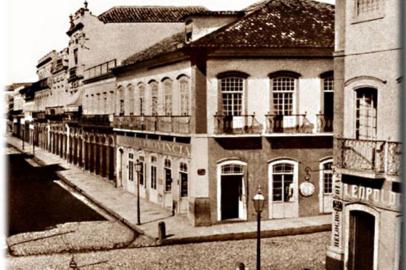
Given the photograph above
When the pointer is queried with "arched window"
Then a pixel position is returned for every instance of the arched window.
(141, 98)
(154, 97)
(167, 83)
(283, 84)
(168, 175)
(366, 113)
(130, 96)
(184, 95)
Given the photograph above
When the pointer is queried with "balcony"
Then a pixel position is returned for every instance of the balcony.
(241, 124)
(324, 123)
(294, 123)
(101, 120)
(166, 124)
(100, 69)
(371, 157)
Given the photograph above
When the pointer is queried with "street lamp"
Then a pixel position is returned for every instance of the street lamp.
(259, 202)
(138, 168)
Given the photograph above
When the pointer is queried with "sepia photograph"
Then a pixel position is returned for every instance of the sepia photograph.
(193, 134)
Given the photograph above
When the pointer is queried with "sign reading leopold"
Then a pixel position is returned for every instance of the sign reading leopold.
(379, 197)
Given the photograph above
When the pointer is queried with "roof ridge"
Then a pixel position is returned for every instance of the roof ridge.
(149, 6)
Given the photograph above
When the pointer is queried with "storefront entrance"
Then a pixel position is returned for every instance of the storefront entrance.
(361, 241)
(230, 196)
(283, 187)
(231, 192)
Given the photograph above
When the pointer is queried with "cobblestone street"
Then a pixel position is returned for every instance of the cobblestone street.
(289, 252)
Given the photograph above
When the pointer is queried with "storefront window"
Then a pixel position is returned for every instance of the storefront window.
(183, 180)
(168, 175)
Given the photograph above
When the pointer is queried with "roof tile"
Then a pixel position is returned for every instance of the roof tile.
(134, 14)
(277, 24)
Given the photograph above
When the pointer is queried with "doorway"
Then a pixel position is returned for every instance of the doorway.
(326, 186)
(230, 196)
(283, 189)
(361, 241)
(231, 191)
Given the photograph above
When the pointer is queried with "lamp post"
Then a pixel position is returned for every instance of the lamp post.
(259, 202)
(138, 168)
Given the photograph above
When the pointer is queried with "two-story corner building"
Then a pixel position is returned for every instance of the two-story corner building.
(367, 190)
(129, 29)
(219, 109)
(82, 134)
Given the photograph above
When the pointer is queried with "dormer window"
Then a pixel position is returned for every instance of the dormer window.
(188, 30)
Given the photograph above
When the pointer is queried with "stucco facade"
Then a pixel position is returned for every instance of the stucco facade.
(367, 190)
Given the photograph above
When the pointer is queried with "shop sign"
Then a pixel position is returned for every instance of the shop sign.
(336, 235)
(374, 196)
(307, 189)
(337, 206)
(156, 146)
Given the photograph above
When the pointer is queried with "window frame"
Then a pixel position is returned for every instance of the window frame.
(239, 75)
(184, 95)
(374, 93)
(183, 172)
(284, 74)
(357, 17)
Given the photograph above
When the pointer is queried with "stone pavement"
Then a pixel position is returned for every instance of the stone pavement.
(122, 205)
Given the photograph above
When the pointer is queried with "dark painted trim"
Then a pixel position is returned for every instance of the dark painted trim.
(232, 73)
(284, 73)
(327, 74)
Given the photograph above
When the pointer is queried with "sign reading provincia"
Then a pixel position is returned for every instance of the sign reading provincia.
(378, 197)
(164, 147)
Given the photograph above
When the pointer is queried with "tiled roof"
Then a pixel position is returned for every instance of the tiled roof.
(277, 24)
(167, 45)
(134, 14)
(217, 13)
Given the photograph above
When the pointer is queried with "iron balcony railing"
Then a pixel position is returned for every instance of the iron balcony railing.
(160, 123)
(324, 123)
(294, 123)
(369, 155)
(100, 69)
(95, 120)
(237, 124)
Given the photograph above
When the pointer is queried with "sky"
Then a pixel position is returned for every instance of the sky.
(34, 28)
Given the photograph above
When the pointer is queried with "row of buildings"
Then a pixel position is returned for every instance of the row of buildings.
(214, 104)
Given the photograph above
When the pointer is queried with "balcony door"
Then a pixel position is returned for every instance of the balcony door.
(232, 96)
(366, 113)
(283, 189)
(328, 103)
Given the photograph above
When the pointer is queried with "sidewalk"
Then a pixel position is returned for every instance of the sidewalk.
(122, 205)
